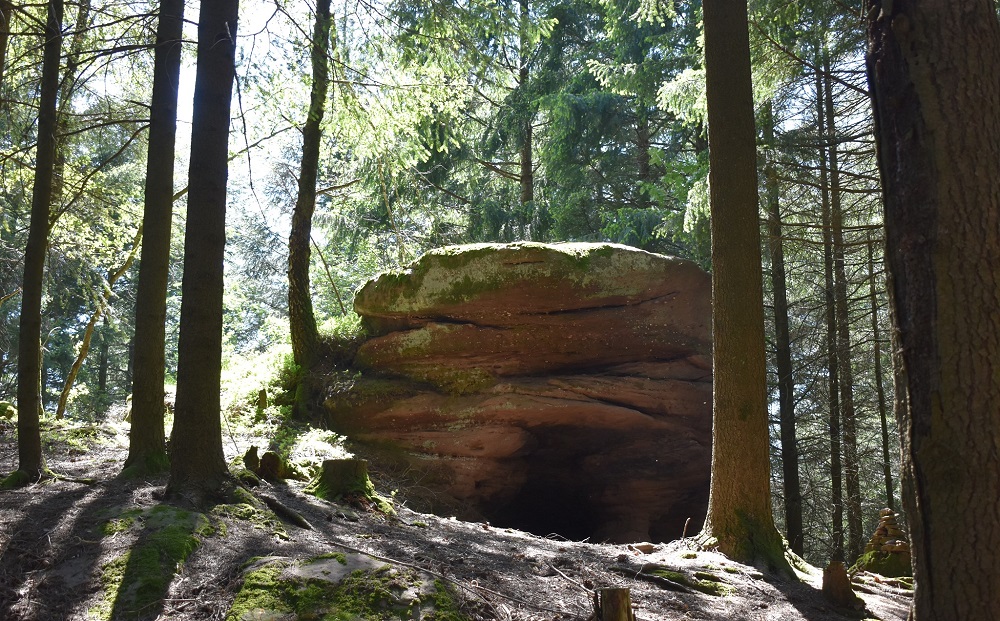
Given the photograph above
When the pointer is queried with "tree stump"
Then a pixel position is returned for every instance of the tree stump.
(338, 477)
(837, 587)
(613, 604)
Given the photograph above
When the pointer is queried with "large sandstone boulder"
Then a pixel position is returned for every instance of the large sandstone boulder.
(556, 388)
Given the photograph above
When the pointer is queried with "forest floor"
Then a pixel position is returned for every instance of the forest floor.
(60, 538)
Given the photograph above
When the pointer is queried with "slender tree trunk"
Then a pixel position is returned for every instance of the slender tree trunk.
(833, 366)
(302, 322)
(855, 536)
(879, 386)
(67, 86)
(6, 12)
(88, 332)
(783, 353)
(102, 372)
(929, 62)
(146, 435)
(197, 463)
(527, 171)
(739, 517)
(29, 361)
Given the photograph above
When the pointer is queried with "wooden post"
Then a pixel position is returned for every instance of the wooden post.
(613, 604)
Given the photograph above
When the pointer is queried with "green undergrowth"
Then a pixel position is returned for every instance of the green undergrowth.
(136, 582)
(272, 592)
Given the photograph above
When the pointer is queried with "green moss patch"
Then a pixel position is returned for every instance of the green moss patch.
(701, 581)
(136, 582)
(888, 564)
(251, 513)
(341, 587)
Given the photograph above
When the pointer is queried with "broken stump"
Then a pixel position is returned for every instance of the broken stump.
(613, 604)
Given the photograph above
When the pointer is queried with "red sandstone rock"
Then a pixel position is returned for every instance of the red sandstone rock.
(556, 388)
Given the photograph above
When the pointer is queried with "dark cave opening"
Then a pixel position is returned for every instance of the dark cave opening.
(549, 508)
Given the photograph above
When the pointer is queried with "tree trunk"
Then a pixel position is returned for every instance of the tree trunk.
(739, 509)
(879, 387)
(88, 332)
(29, 361)
(6, 12)
(102, 371)
(527, 171)
(67, 86)
(930, 62)
(783, 353)
(833, 367)
(855, 536)
(197, 462)
(146, 435)
(302, 322)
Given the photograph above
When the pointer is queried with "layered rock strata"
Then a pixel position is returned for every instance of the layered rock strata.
(556, 388)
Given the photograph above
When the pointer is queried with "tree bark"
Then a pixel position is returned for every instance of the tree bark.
(527, 171)
(88, 332)
(833, 366)
(933, 70)
(197, 462)
(146, 435)
(739, 518)
(855, 536)
(302, 322)
(29, 361)
(6, 12)
(783, 354)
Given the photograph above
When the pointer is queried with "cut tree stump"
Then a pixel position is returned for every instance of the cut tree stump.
(613, 604)
(338, 477)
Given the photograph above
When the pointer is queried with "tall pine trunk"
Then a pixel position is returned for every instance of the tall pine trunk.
(846, 372)
(147, 447)
(302, 322)
(833, 367)
(526, 168)
(783, 352)
(739, 517)
(29, 351)
(933, 70)
(197, 463)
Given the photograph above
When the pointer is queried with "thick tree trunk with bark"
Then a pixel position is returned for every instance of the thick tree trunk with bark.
(783, 354)
(739, 517)
(302, 322)
(29, 361)
(147, 445)
(933, 70)
(887, 459)
(833, 366)
(197, 462)
(855, 536)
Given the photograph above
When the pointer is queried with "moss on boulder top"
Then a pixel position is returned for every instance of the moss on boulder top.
(467, 281)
